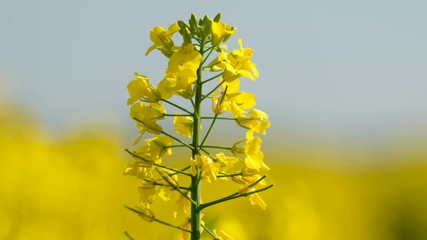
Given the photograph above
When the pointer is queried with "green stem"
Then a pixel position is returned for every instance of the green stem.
(177, 106)
(177, 139)
(147, 180)
(202, 51)
(175, 146)
(167, 134)
(158, 165)
(209, 130)
(229, 174)
(177, 115)
(233, 196)
(196, 189)
(212, 78)
(158, 220)
(174, 187)
(221, 118)
(182, 170)
(218, 147)
(213, 90)
(170, 225)
(128, 236)
(210, 232)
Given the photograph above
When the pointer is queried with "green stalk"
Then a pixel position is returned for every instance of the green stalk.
(196, 188)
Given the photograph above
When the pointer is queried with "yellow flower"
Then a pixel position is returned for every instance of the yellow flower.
(221, 32)
(208, 167)
(217, 99)
(162, 39)
(246, 180)
(142, 88)
(225, 162)
(220, 63)
(140, 169)
(164, 178)
(160, 146)
(237, 103)
(257, 121)
(181, 73)
(154, 148)
(253, 155)
(232, 87)
(242, 63)
(235, 64)
(255, 199)
(158, 183)
(248, 172)
(186, 57)
(183, 125)
(146, 117)
(180, 83)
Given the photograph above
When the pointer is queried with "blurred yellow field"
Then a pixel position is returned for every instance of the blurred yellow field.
(71, 187)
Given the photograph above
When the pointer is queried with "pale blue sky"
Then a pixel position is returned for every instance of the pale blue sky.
(351, 67)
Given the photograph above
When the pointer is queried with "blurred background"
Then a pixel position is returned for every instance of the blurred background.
(344, 83)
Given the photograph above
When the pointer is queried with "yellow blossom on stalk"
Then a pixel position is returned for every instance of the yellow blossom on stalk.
(241, 61)
(180, 83)
(252, 150)
(247, 172)
(231, 100)
(167, 183)
(160, 146)
(140, 169)
(254, 198)
(183, 125)
(162, 39)
(141, 111)
(186, 57)
(232, 87)
(236, 103)
(221, 32)
(220, 62)
(157, 184)
(154, 148)
(141, 88)
(209, 168)
(181, 73)
(257, 121)
(146, 117)
(236, 64)
(246, 180)
(253, 155)
(217, 99)
(225, 162)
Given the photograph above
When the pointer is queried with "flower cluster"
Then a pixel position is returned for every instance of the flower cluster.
(242, 163)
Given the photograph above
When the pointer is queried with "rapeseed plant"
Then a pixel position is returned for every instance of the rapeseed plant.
(242, 163)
